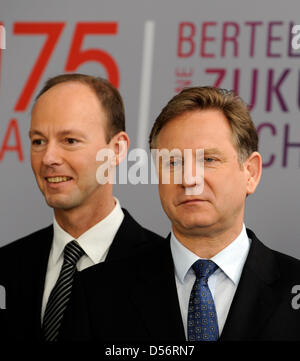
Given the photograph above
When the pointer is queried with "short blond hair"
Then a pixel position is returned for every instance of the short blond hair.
(245, 138)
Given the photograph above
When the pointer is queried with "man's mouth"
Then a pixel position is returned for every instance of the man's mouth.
(191, 201)
(57, 179)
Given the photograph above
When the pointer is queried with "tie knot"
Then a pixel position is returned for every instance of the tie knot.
(204, 268)
(72, 252)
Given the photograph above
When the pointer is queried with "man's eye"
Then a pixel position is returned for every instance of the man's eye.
(37, 142)
(71, 140)
(175, 163)
(209, 160)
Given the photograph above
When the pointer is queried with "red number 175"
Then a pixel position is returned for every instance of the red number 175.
(76, 56)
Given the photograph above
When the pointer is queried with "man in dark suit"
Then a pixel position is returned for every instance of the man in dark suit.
(77, 120)
(211, 279)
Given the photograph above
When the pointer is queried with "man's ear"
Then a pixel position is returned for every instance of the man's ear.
(253, 168)
(119, 144)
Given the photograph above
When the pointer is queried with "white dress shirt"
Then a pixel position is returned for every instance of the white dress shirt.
(222, 283)
(95, 242)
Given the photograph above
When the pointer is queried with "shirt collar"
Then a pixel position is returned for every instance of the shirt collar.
(183, 258)
(230, 260)
(95, 241)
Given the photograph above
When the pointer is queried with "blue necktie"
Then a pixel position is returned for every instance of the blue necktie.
(202, 316)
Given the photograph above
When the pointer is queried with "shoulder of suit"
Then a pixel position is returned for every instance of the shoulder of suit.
(288, 266)
(287, 263)
(148, 233)
(153, 235)
(147, 255)
(26, 241)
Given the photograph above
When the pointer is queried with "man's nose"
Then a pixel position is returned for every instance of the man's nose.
(188, 178)
(52, 155)
(193, 172)
(193, 176)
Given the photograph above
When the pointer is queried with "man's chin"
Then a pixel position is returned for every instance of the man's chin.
(62, 204)
(196, 226)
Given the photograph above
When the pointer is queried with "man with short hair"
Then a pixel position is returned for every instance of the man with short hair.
(75, 117)
(212, 279)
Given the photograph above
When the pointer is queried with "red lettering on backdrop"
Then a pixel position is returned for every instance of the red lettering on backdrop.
(77, 56)
(273, 132)
(287, 144)
(205, 39)
(261, 39)
(184, 78)
(221, 74)
(53, 31)
(253, 25)
(186, 39)
(274, 88)
(272, 38)
(230, 38)
(12, 128)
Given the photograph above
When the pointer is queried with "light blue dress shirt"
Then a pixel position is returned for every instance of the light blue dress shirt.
(222, 283)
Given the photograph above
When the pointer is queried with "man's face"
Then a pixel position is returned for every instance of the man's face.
(220, 206)
(67, 130)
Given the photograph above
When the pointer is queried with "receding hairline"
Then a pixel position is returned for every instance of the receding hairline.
(70, 82)
(74, 82)
(107, 94)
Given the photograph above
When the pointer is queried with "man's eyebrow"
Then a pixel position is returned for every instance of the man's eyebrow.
(70, 131)
(61, 133)
(212, 151)
(34, 132)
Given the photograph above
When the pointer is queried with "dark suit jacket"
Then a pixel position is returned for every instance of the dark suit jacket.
(3, 325)
(23, 266)
(137, 300)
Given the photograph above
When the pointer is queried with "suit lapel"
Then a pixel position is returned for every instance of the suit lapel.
(255, 299)
(33, 288)
(155, 295)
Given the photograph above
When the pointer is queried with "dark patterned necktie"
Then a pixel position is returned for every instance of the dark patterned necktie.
(60, 294)
(202, 316)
